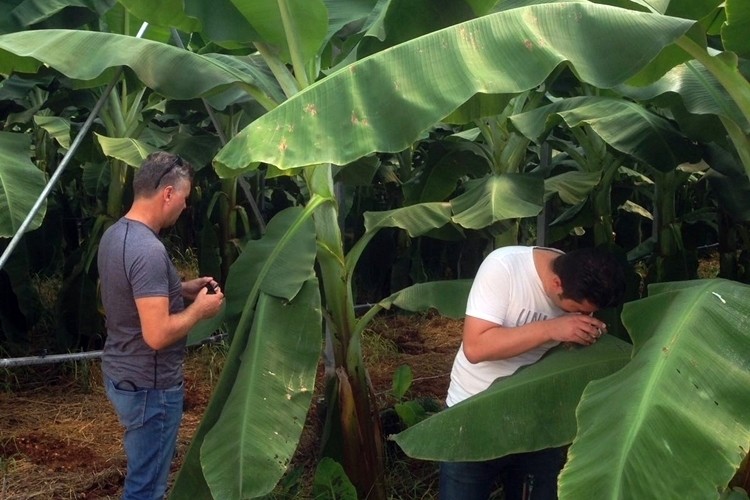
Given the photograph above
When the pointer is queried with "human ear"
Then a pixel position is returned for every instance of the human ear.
(557, 285)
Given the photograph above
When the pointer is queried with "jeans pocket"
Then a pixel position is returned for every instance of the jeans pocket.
(130, 406)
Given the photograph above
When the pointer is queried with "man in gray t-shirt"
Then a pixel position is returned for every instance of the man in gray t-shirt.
(148, 322)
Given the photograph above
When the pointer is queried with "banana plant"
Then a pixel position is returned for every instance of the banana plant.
(381, 103)
(637, 420)
(631, 131)
(316, 127)
(699, 105)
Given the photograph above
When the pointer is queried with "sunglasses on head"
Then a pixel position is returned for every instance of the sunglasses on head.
(177, 162)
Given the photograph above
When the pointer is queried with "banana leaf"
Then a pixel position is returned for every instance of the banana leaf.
(385, 101)
(531, 410)
(57, 127)
(573, 187)
(496, 198)
(447, 297)
(21, 182)
(167, 13)
(125, 149)
(674, 423)
(25, 14)
(279, 264)
(267, 406)
(173, 72)
(415, 219)
(626, 126)
(734, 31)
(696, 86)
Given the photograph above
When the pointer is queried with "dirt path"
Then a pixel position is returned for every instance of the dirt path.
(61, 439)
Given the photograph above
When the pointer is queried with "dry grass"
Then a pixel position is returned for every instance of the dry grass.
(59, 437)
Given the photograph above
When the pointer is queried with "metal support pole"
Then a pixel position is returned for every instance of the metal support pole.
(47, 360)
(64, 163)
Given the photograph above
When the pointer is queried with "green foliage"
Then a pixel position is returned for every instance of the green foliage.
(679, 404)
(21, 182)
(402, 379)
(331, 482)
(285, 253)
(246, 58)
(358, 105)
(537, 405)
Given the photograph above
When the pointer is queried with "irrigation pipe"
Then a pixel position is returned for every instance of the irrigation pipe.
(44, 359)
(48, 360)
(64, 163)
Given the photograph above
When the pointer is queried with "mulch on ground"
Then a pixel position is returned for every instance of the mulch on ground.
(61, 438)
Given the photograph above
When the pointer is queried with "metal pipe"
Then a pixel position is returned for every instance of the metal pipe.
(45, 359)
(64, 163)
(48, 360)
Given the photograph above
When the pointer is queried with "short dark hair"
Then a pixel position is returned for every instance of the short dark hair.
(592, 274)
(160, 169)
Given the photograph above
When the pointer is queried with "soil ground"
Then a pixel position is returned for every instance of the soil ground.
(59, 437)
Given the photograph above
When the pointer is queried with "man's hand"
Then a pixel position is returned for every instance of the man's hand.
(578, 328)
(190, 289)
(208, 304)
(487, 341)
(161, 329)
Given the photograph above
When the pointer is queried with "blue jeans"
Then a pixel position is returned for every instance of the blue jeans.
(524, 476)
(151, 418)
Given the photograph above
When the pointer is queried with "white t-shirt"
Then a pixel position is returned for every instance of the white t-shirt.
(507, 291)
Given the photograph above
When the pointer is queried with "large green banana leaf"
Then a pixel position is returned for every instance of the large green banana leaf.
(23, 14)
(231, 22)
(674, 423)
(485, 201)
(734, 31)
(531, 410)
(278, 264)
(248, 450)
(130, 151)
(498, 197)
(173, 72)
(573, 187)
(698, 88)
(57, 127)
(447, 297)
(417, 220)
(624, 125)
(385, 101)
(169, 13)
(21, 182)
(292, 26)
(424, 17)
(702, 94)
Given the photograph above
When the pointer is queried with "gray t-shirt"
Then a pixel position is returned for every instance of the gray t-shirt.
(133, 263)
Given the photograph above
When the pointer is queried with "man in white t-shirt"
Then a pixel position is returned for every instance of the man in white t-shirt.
(524, 301)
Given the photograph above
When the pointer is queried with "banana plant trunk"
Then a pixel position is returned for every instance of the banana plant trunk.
(119, 179)
(228, 226)
(604, 233)
(351, 405)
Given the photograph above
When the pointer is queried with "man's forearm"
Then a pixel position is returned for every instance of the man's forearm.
(499, 342)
